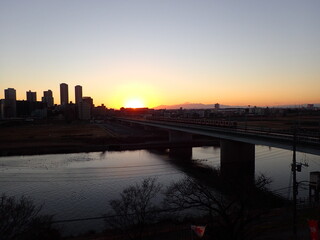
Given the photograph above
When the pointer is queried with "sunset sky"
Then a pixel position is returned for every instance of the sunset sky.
(163, 51)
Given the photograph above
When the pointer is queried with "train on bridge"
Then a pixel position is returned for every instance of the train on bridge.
(207, 122)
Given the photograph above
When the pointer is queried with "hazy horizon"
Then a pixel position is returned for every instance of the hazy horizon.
(262, 53)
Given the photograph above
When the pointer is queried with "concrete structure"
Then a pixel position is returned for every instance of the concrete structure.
(10, 93)
(78, 94)
(181, 153)
(48, 98)
(88, 100)
(237, 160)
(307, 144)
(85, 108)
(8, 106)
(2, 107)
(314, 186)
(64, 94)
(99, 112)
(237, 145)
(26, 109)
(31, 96)
(69, 112)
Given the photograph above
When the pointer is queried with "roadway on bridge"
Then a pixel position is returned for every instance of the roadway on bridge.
(284, 140)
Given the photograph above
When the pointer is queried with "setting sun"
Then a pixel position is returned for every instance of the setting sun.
(134, 103)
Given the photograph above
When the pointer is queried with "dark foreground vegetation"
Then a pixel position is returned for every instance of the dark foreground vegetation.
(235, 216)
(20, 219)
(147, 210)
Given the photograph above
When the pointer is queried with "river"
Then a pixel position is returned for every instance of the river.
(80, 185)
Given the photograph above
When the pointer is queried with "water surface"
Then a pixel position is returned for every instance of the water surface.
(81, 185)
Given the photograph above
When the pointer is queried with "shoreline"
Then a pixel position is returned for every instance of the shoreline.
(58, 138)
(56, 149)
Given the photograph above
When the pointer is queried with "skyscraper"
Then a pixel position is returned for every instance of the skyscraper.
(47, 98)
(78, 93)
(31, 96)
(64, 95)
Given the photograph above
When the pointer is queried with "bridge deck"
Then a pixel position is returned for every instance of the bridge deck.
(284, 140)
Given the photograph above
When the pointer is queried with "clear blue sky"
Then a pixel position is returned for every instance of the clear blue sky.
(165, 51)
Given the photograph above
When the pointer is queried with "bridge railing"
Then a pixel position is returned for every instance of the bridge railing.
(233, 127)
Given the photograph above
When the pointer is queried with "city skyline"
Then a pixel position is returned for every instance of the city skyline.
(31, 96)
(164, 53)
(134, 103)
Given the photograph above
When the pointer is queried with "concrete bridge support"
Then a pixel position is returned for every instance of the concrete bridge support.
(237, 161)
(180, 153)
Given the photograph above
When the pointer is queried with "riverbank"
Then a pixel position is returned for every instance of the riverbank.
(54, 138)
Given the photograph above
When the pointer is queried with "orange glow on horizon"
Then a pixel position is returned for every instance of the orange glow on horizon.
(134, 103)
(136, 94)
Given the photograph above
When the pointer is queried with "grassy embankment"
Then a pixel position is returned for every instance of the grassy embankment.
(52, 138)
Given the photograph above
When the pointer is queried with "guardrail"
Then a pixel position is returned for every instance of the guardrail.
(234, 128)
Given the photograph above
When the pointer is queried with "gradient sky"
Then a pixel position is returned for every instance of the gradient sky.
(165, 51)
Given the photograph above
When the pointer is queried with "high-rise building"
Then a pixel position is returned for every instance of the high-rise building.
(78, 93)
(31, 96)
(9, 108)
(10, 93)
(64, 95)
(47, 98)
(85, 108)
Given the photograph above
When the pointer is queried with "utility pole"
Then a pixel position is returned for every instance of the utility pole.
(295, 186)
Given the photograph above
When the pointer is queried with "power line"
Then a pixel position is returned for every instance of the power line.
(114, 167)
(80, 174)
(119, 215)
(117, 177)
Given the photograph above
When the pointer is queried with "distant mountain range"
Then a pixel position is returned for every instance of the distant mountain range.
(207, 106)
(191, 106)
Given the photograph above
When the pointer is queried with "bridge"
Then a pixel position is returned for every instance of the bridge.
(257, 136)
(237, 144)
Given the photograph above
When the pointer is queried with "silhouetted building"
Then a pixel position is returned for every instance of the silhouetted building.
(78, 94)
(31, 96)
(8, 105)
(47, 98)
(310, 106)
(69, 112)
(88, 100)
(85, 108)
(10, 93)
(26, 109)
(64, 95)
(2, 107)
(99, 112)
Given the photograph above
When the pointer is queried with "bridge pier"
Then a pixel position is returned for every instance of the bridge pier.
(180, 153)
(237, 161)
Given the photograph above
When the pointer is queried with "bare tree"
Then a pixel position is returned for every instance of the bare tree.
(135, 208)
(230, 216)
(20, 220)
